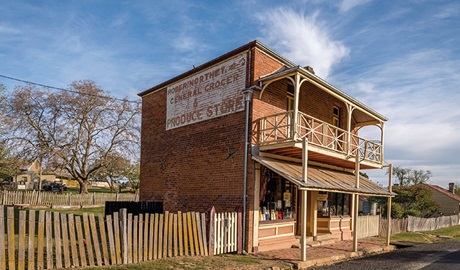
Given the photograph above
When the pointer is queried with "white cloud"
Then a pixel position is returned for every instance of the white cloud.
(418, 92)
(302, 39)
(185, 43)
(347, 5)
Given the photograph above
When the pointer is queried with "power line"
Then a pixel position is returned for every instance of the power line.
(66, 90)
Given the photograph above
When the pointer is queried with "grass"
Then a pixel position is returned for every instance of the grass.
(79, 211)
(444, 234)
(195, 263)
(76, 190)
(414, 237)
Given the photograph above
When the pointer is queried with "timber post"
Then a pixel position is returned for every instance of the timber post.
(212, 220)
(124, 234)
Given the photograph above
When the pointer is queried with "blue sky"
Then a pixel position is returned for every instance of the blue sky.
(401, 58)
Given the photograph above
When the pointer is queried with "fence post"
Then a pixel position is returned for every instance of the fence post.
(240, 230)
(212, 219)
(124, 234)
(116, 197)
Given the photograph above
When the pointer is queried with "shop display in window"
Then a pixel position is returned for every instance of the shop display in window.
(276, 197)
(337, 204)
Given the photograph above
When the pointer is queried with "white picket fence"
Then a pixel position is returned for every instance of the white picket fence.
(368, 226)
(225, 232)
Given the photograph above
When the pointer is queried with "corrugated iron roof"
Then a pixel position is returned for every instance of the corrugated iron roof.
(322, 179)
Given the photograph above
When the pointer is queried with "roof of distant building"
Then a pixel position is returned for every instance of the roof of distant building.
(444, 191)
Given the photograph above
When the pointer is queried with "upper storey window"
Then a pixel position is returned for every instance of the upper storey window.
(336, 117)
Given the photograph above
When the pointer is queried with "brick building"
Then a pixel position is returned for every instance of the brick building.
(303, 149)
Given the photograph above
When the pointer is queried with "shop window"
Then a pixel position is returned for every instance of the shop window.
(337, 204)
(276, 197)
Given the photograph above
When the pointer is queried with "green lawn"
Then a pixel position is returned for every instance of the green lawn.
(450, 233)
(79, 211)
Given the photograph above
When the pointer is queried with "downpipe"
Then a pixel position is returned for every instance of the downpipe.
(247, 92)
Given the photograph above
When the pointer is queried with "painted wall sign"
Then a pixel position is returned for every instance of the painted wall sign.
(211, 93)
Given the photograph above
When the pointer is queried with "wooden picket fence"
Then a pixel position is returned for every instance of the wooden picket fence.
(52, 199)
(57, 240)
(416, 224)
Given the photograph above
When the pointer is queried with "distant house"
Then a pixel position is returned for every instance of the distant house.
(449, 202)
(29, 177)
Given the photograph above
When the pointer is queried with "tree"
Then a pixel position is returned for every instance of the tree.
(132, 173)
(415, 199)
(420, 176)
(79, 129)
(407, 176)
(8, 165)
(402, 174)
(457, 188)
(114, 172)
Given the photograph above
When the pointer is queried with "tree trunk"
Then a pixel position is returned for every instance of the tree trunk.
(83, 187)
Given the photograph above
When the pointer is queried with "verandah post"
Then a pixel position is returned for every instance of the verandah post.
(304, 199)
(390, 175)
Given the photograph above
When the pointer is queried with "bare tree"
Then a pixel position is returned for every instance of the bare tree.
(402, 174)
(407, 176)
(78, 129)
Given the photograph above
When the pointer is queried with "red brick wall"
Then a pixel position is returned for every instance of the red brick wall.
(186, 167)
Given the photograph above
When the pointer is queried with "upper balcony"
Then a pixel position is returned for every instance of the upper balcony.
(293, 104)
(327, 143)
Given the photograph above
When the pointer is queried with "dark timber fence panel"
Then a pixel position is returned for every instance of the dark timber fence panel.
(134, 208)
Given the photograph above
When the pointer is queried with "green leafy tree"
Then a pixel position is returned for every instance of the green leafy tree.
(457, 188)
(132, 173)
(9, 166)
(415, 199)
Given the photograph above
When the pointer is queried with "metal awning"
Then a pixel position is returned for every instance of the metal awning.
(323, 179)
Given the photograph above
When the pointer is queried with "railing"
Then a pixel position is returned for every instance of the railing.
(278, 128)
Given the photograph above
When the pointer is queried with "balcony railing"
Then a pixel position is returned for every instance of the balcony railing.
(279, 128)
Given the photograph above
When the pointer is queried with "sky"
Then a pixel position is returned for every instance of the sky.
(401, 58)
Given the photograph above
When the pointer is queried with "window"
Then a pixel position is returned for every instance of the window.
(276, 197)
(336, 117)
(337, 204)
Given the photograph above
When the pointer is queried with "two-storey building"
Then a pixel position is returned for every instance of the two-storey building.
(252, 130)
